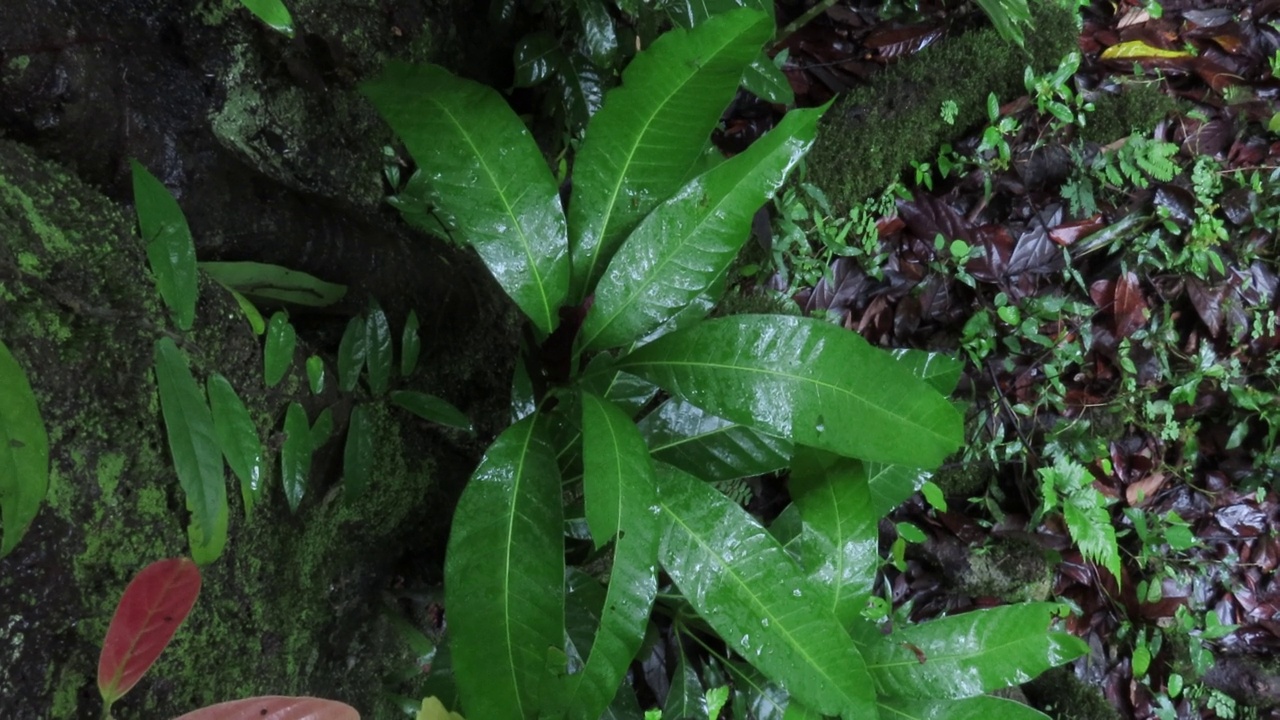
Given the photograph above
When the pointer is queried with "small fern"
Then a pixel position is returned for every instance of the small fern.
(1084, 509)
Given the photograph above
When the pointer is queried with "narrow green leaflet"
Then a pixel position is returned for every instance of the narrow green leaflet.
(983, 707)
(170, 249)
(239, 440)
(321, 429)
(193, 444)
(766, 81)
(504, 578)
(686, 243)
(274, 282)
(841, 536)
(357, 456)
(641, 143)
(940, 370)
(410, 345)
(315, 374)
(277, 356)
(972, 653)
(712, 448)
(742, 583)
(351, 354)
(250, 311)
(273, 13)
(618, 480)
(806, 380)
(24, 452)
(295, 455)
(685, 700)
(432, 408)
(486, 177)
(377, 347)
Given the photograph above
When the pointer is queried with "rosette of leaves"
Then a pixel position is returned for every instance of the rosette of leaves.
(616, 286)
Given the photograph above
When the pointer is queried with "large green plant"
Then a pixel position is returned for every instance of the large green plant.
(617, 287)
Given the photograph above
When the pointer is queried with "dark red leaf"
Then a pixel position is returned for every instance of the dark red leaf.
(152, 608)
(1131, 311)
(275, 707)
(927, 216)
(897, 42)
(1068, 233)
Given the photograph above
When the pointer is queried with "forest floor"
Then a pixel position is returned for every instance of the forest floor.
(1114, 299)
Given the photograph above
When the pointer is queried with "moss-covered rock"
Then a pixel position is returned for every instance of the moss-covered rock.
(1136, 107)
(292, 606)
(1063, 696)
(871, 135)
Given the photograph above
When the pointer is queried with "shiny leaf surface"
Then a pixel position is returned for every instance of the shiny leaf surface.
(486, 177)
(806, 380)
(410, 345)
(651, 129)
(891, 485)
(357, 456)
(273, 282)
(940, 370)
(685, 700)
(238, 439)
(741, 582)
(432, 408)
(841, 538)
(377, 347)
(504, 577)
(24, 452)
(712, 448)
(351, 354)
(972, 653)
(766, 81)
(315, 374)
(618, 480)
(273, 13)
(193, 444)
(275, 707)
(153, 606)
(536, 57)
(686, 243)
(277, 355)
(983, 707)
(170, 250)
(295, 455)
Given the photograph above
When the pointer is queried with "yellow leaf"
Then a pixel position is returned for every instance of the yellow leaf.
(1138, 49)
(433, 709)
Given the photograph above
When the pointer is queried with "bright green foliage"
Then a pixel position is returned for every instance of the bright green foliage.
(295, 455)
(656, 220)
(273, 13)
(357, 456)
(238, 438)
(194, 446)
(24, 452)
(377, 347)
(430, 407)
(1067, 484)
(170, 249)
(277, 355)
(273, 282)
(351, 354)
(1008, 16)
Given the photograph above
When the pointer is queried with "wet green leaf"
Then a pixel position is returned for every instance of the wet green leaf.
(250, 311)
(972, 653)
(410, 345)
(983, 707)
(618, 480)
(432, 408)
(357, 456)
(891, 485)
(295, 455)
(315, 374)
(238, 439)
(841, 537)
(170, 249)
(650, 130)
(684, 699)
(273, 282)
(504, 577)
(24, 452)
(742, 583)
(277, 357)
(321, 429)
(351, 354)
(685, 244)
(712, 448)
(377, 347)
(806, 380)
(193, 444)
(598, 36)
(273, 13)
(767, 81)
(523, 402)
(488, 179)
(537, 55)
(940, 370)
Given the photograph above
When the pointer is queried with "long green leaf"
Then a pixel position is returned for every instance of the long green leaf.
(741, 582)
(357, 455)
(277, 355)
(891, 485)
(651, 129)
(274, 282)
(618, 480)
(969, 654)
(940, 370)
(377, 347)
(685, 700)
(24, 452)
(712, 448)
(193, 444)
(806, 380)
(983, 707)
(170, 250)
(273, 13)
(686, 243)
(486, 178)
(432, 408)
(841, 537)
(351, 354)
(239, 440)
(410, 345)
(295, 455)
(504, 577)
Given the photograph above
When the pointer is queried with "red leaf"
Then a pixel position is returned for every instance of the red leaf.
(275, 707)
(154, 604)
(1131, 311)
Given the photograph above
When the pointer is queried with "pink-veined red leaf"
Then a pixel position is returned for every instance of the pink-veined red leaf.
(275, 707)
(152, 608)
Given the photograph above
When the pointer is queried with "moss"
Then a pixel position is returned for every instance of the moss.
(1137, 108)
(1012, 570)
(1063, 696)
(959, 482)
(19, 63)
(869, 137)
